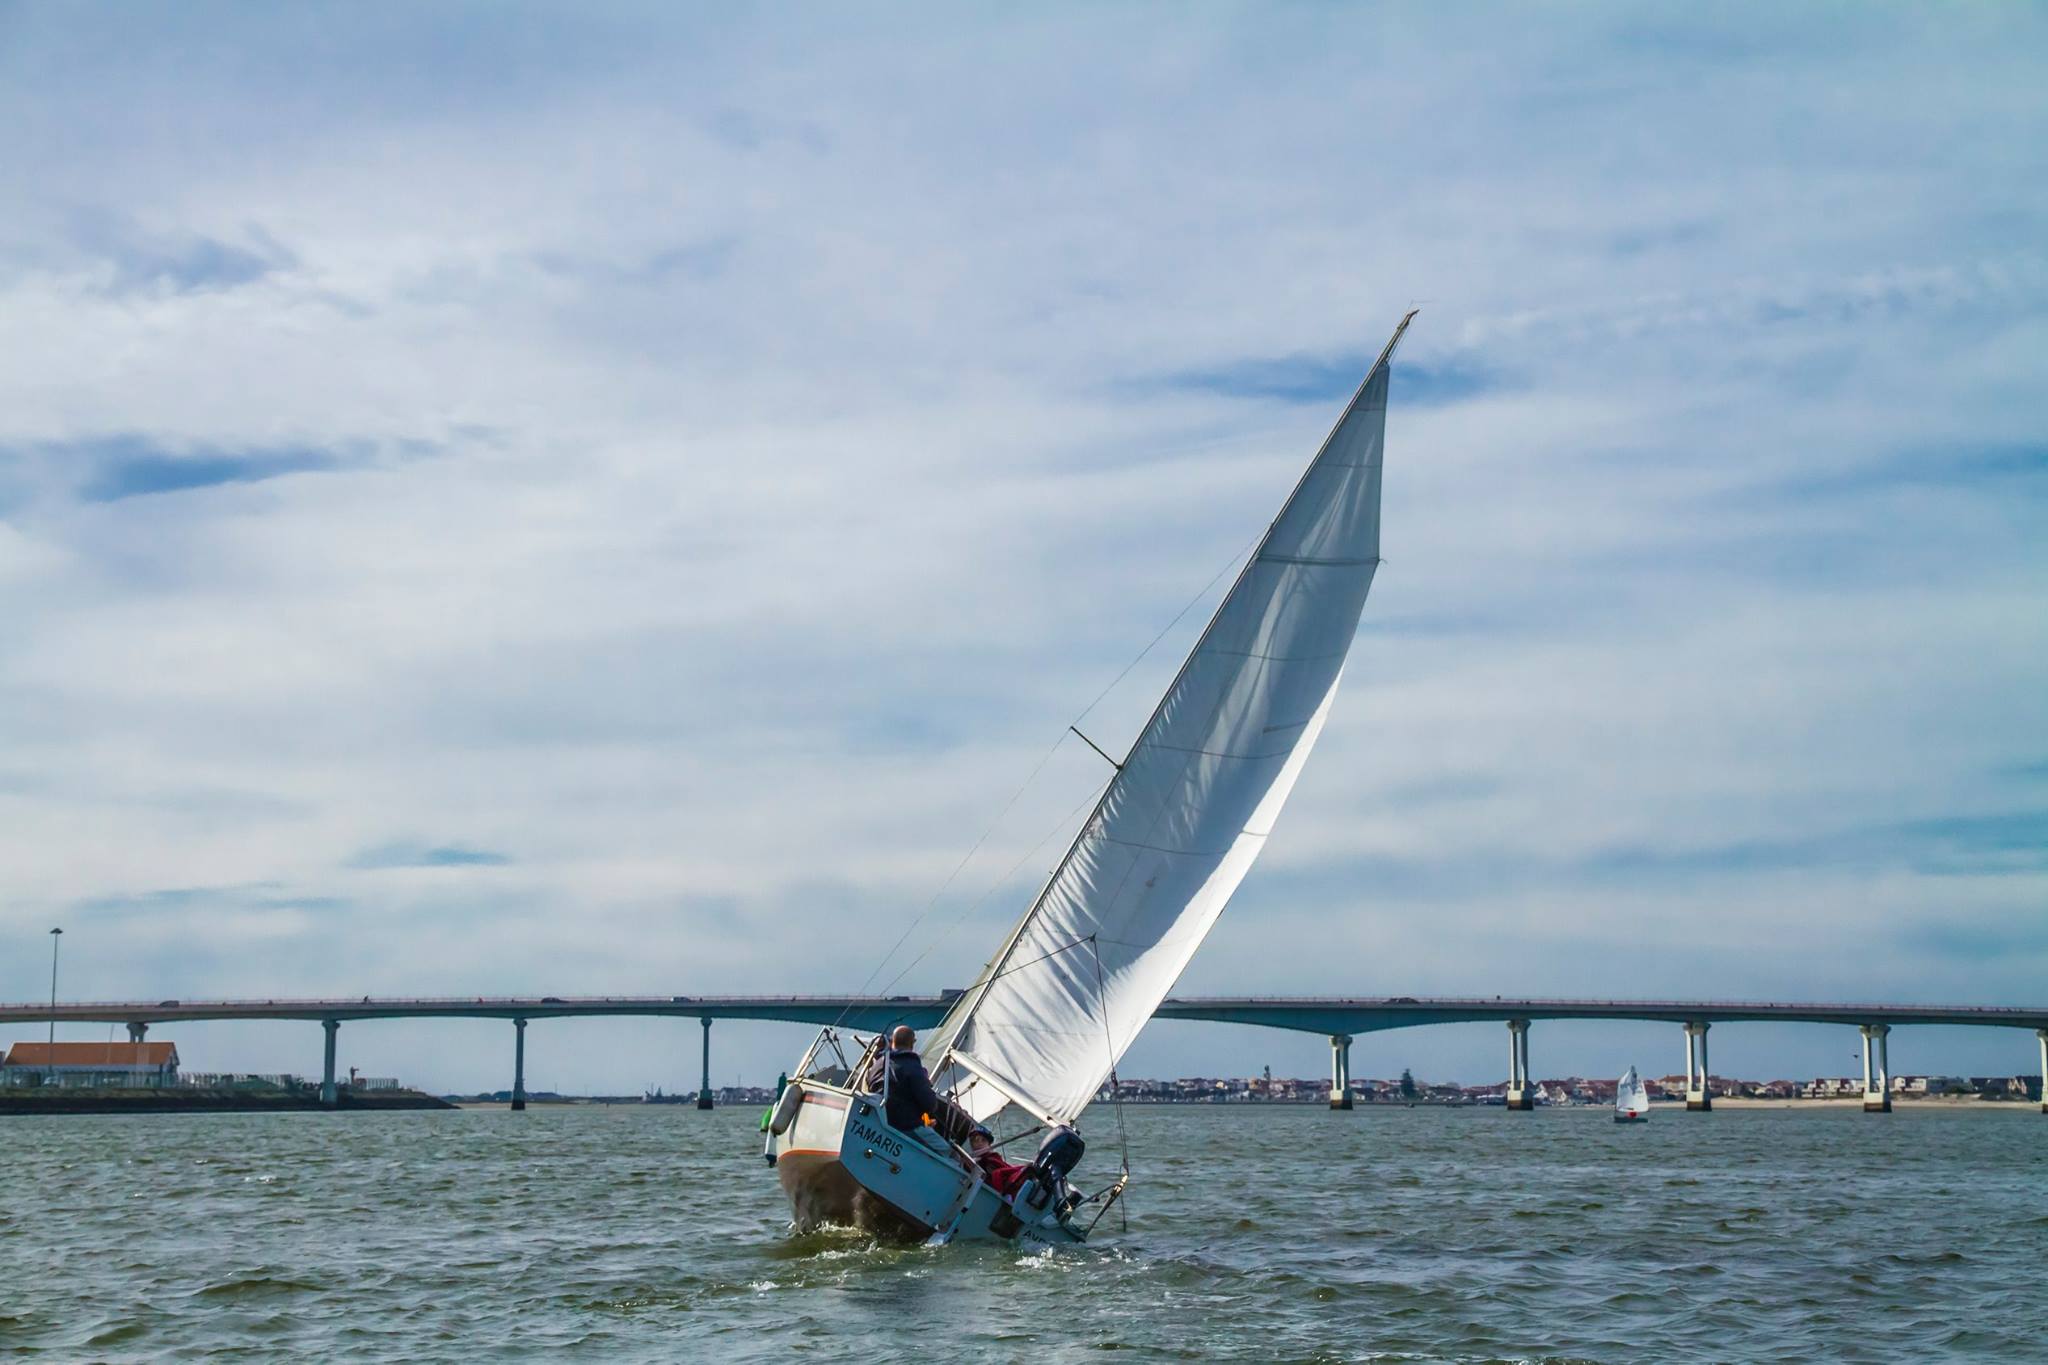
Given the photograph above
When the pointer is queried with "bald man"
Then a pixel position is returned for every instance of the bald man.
(910, 1094)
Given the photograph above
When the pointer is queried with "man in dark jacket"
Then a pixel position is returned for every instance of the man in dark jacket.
(908, 1092)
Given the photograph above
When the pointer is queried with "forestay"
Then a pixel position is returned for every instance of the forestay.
(1191, 805)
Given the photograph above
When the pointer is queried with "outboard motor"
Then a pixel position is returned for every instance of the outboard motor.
(1058, 1154)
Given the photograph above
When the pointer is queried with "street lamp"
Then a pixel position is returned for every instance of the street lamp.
(51, 1055)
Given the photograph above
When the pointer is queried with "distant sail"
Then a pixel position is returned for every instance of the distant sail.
(1191, 806)
(1631, 1096)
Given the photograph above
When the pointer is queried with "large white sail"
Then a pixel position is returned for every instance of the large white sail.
(1631, 1096)
(1191, 805)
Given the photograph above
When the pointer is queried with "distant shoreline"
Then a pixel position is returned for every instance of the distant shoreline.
(1963, 1102)
(1899, 1103)
(181, 1100)
(1930, 1102)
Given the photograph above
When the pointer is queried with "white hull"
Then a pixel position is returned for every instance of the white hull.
(840, 1162)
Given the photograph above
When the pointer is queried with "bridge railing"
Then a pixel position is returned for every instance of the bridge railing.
(346, 1001)
(1520, 1002)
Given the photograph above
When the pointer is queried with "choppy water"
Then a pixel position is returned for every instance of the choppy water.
(1267, 1234)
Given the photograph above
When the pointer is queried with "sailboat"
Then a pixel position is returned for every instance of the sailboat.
(1631, 1098)
(1176, 829)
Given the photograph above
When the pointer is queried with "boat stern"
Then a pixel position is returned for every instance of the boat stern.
(806, 1155)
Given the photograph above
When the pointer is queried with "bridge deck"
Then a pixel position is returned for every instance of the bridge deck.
(1311, 1014)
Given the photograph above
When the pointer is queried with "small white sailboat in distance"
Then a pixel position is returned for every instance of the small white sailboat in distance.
(1631, 1098)
(1174, 832)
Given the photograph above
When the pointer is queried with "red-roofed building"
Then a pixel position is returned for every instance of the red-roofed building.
(91, 1064)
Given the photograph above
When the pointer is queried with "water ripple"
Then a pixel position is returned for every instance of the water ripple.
(1283, 1234)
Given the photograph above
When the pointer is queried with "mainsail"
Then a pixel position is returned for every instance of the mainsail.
(1191, 805)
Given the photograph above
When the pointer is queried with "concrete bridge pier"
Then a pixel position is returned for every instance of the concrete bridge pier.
(518, 1064)
(327, 1095)
(2042, 1034)
(1340, 1071)
(1877, 1077)
(1519, 1096)
(137, 1032)
(704, 1090)
(1699, 1094)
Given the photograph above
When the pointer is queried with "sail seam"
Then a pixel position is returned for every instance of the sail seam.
(1278, 658)
(1314, 563)
(1225, 753)
(1175, 783)
(1183, 852)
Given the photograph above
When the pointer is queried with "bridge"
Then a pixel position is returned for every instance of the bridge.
(1338, 1017)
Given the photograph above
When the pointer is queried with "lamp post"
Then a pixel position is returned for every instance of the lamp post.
(51, 1056)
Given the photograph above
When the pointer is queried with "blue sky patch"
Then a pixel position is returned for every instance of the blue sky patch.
(2002, 471)
(1963, 845)
(1327, 379)
(417, 855)
(131, 467)
(181, 899)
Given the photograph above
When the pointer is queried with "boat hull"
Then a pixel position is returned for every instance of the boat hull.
(840, 1163)
(806, 1157)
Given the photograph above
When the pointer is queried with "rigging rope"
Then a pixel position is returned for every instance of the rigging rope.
(958, 868)
(1014, 1137)
(1228, 565)
(995, 886)
(1042, 957)
(1116, 1097)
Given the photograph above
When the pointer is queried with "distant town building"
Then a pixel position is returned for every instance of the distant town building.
(81, 1065)
(1266, 1088)
(231, 1080)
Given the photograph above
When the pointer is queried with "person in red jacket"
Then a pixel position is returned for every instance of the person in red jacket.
(1002, 1176)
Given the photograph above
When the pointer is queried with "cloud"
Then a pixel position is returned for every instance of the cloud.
(654, 268)
(821, 415)
(139, 261)
(2026, 941)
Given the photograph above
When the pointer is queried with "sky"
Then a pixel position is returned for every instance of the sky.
(616, 499)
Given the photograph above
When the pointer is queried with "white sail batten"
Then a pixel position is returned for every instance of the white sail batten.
(1191, 806)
